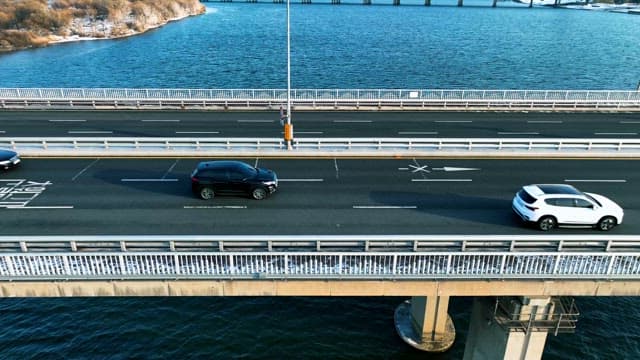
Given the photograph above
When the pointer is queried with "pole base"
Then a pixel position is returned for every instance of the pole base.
(404, 326)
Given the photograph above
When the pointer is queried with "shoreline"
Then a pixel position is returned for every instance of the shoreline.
(57, 39)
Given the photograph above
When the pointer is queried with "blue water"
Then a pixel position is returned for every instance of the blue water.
(243, 45)
(240, 45)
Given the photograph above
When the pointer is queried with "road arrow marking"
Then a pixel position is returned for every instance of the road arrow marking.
(450, 168)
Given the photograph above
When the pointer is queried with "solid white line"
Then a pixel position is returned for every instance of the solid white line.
(2, 131)
(83, 170)
(443, 180)
(544, 121)
(39, 207)
(197, 132)
(417, 133)
(148, 180)
(89, 132)
(301, 180)
(352, 121)
(215, 207)
(518, 133)
(160, 120)
(306, 132)
(629, 122)
(597, 180)
(384, 207)
(616, 133)
(256, 121)
(70, 120)
(453, 121)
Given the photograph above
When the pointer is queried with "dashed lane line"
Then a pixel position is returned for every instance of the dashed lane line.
(441, 180)
(215, 207)
(597, 180)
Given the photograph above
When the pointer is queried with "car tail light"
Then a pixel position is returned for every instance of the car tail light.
(532, 208)
(194, 179)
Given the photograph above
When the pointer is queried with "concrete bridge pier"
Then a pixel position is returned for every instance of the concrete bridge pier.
(459, 2)
(427, 2)
(423, 322)
(512, 335)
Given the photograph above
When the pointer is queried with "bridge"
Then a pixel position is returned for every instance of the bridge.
(368, 210)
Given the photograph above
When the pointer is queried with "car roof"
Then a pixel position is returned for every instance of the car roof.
(551, 189)
(222, 164)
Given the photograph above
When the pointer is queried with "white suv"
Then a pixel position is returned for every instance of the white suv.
(549, 205)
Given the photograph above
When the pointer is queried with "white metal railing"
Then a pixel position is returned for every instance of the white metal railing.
(611, 100)
(455, 257)
(194, 147)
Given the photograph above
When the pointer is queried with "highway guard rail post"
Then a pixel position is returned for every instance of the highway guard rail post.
(322, 147)
(321, 99)
(397, 257)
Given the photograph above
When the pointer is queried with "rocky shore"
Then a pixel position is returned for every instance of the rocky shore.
(54, 21)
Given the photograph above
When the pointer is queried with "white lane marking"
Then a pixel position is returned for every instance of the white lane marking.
(39, 207)
(335, 164)
(256, 121)
(197, 132)
(597, 180)
(83, 170)
(352, 121)
(170, 169)
(89, 132)
(629, 122)
(256, 163)
(518, 133)
(2, 131)
(544, 121)
(384, 207)
(616, 133)
(148, 180)
(453, 121)
(452, 168)
(160, 120)
(417, 133)
(301, 180)
(68, 120)
(443, 180)
(415, 169)
(215, 207)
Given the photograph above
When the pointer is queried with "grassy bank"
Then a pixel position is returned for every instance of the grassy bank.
(33, 23)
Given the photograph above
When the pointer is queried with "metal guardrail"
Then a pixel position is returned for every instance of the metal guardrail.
(334, 257)
(318, 147)
(323, 99)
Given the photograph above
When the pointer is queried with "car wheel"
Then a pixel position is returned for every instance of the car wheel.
(607, 223)
(546, 223)
(259, 193)
(206, 193)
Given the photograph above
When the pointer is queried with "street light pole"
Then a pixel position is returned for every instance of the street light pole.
(288, 128)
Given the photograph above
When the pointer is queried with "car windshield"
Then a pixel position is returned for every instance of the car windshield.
(592, 199)
(246, 170)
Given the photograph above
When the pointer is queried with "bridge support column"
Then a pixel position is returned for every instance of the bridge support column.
(427, 2)
(425, 324)
(510, 334)
(459, 2)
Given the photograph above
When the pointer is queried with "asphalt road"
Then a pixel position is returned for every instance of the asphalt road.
(324, 196)
(317, 124)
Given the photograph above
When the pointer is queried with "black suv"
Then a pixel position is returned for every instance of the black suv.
(211, 178)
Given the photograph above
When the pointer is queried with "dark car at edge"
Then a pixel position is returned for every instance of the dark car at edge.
(228, 177)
